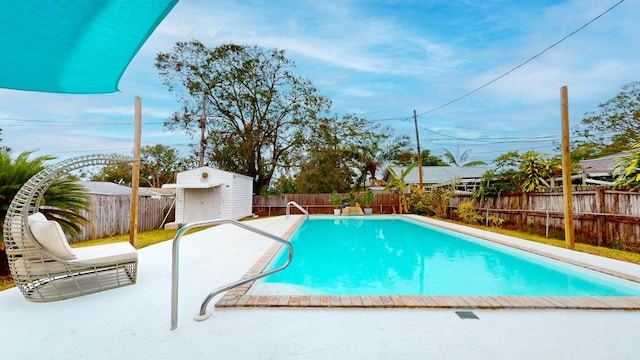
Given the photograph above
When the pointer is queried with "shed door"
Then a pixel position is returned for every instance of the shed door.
(201, 204)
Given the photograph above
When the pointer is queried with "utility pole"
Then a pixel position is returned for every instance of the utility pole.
(203, 127)
(415, 121)
(569, 231)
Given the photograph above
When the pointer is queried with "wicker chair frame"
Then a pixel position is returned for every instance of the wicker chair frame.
(41, 276)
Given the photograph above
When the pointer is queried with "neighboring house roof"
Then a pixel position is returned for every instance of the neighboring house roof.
(602, 165)
(440, 174)
(109, 188)
(161, 191)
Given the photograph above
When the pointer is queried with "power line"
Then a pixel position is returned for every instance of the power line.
(521, 64)
(69, 123)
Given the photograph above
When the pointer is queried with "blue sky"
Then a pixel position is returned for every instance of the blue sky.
(379, 60)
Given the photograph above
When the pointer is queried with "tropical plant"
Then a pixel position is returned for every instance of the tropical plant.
(63, 201)
(460, 159)
(376, 149)
(534, 169)
(628, 169)
(399, 184)
(367, 198)
(336, 200)
(514, 171)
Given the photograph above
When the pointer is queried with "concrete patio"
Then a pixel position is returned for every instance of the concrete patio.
(134, 321)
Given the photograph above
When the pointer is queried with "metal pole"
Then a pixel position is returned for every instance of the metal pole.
(415, 120)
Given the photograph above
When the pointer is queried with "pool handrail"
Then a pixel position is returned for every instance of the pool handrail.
(203, 315)
(288, 210)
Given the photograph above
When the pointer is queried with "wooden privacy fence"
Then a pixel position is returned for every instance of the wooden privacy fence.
(317, 204)
(601, 216)
(109, 215)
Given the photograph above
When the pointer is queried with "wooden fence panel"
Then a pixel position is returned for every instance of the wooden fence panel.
(601, 216)
(317, 204)
(109, 215)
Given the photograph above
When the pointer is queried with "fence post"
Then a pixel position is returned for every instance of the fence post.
(546, 233)
(524, 206)
(600, 217)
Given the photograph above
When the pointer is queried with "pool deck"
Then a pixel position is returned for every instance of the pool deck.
(134, 321)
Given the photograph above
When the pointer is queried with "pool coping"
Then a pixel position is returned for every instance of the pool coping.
(240, 297)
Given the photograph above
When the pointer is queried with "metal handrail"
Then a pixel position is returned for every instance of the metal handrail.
(203, 315)
(288, 210)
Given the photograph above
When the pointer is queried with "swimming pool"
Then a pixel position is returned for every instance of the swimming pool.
(270, 294)
(396, 256)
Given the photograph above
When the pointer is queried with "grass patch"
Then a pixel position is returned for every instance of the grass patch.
(144, 239)
(627, 256)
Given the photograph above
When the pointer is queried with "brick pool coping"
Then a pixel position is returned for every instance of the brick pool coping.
(239, 296)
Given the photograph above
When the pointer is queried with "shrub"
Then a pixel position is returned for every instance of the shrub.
(432, 202)
(495, 221)
(468, 213)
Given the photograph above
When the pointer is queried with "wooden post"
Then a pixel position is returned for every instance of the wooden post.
(569, 231)
(524, 205)
(135, 173)
(415, 121)
(600, 217)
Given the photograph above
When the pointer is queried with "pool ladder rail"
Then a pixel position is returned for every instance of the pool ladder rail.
(288, 211)
(203, 314)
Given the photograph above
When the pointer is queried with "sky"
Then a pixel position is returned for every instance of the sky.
(380, 60)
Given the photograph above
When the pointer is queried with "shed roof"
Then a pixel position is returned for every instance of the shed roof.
(213, 170)
(192, 185)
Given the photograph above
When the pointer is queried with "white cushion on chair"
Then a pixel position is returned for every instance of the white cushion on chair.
(49, 234)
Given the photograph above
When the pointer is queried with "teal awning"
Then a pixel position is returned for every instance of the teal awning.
(79, 46)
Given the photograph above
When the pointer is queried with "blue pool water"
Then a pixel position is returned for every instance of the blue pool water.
(356, 256)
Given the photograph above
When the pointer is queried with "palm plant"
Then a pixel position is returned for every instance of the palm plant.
(399, 183)
(629, 170)
(63, 201)
(460, 160)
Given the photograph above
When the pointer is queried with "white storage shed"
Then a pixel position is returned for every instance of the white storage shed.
(206, 193)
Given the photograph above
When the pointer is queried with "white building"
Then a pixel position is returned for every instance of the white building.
(206, 193)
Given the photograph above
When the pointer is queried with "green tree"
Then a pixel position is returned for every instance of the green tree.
(460, 159)
(406, 157)
(254, 106)
(282, 185)
(326, 164)
(116, 173)
(616, 126)
(62, 202)
(159, 165)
